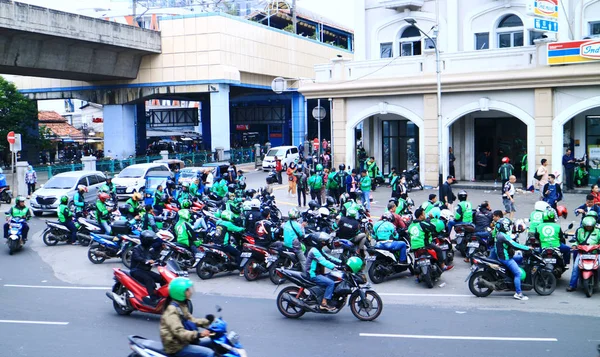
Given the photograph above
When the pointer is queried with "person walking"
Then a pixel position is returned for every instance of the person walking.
(278, 169)
(568, 161)
(506, 170)
(30, 180)
(365, 188)
(451, 159)
(482, 164)
(541, 174)
(352, 184)
(300, 178)
(524, 167)
(508, 197)
(372, 171)
(551, 192)
(292, 182)
(448, 196)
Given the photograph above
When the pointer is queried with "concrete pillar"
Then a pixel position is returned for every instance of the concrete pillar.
(469, 145)
(89, 163)
(298, 118)
(360, 33)
(338, 132)
(544, 113)
(430, 135)
(205, 125)
(219, 118)
(119, 130)
(140, 129)
(164, 154)
(220, 153)
(21, 168)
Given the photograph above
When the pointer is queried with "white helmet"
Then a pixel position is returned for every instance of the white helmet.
(254, 203)
(446, 214)
(246, 206)
(541, 206)
(324, 212)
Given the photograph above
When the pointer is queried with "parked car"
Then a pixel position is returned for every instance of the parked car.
(172, 164)
(189, 174)
(47, 198)
(287, 155)
(133, 178)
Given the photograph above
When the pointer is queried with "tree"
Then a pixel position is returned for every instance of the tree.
(19, 114)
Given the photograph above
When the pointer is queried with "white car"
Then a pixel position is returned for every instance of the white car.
(287, 155)
(133, 178)
(47, 198)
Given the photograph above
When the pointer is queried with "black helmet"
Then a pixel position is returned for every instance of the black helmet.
(231, 187)
(330, 201)
(320, 239)
(462, 195)
(266, 212)
(125, 209)
(342, 167)
(251, 192)
(147, 238)
(388, 216)
(313, 205)
(503, 225)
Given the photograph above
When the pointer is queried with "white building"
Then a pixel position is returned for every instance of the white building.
(505, 88)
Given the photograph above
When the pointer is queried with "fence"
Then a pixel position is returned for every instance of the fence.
(52, 170)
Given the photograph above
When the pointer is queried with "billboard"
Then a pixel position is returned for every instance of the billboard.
(581, 51)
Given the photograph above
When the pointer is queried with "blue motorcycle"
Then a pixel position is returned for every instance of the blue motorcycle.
(15, 235)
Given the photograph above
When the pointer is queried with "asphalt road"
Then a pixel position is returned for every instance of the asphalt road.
(444, 321)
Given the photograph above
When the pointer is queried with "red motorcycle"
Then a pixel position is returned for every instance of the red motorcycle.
(127, 294)
(588, 267)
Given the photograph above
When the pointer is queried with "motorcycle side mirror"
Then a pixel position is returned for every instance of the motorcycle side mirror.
(570, 226)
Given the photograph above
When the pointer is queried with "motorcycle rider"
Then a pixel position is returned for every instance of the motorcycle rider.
(194, 187)
(264, 227)
(496, 216)
(316, 261)
(19, 210)
(220, 188)
(431, 203)
(505, 246)
(551, 236)
(420, 232)
(184, 231)
(253, 215)
(79, 200)
(293, 233)
(403, 204)
(587, 207)
(110, 188)
(158, 203)
(385, 233)
(65, 217)
(482, 219)
(141, 267)
(135, 206)
(176, 335)
(149, 219)
(102, 214)
(398, 221)
(587, 234)
(225, 227)
(333, 184)
(537, 216)
(464, 211)
(349, 228)
(184, 194)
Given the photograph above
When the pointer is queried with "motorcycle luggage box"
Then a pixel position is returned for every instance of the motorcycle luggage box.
(120, 227)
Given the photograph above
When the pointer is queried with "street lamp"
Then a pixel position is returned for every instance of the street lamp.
(85, 130)
(413, 23)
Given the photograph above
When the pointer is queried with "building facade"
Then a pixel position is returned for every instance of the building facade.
(506, 88)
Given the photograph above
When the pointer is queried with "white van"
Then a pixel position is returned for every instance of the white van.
(287, 155)
(133, 178)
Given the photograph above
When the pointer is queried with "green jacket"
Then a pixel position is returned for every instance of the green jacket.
(227, 227)
(394, 181)
(194, 189)
(16, 212)
(420, 234)
(583, 238)
(102, 214)
(134, 206)
(64, 213)
(333, 180)
(371, 169)
(505, 171)
(315, 182)
(428, 205)
(365, 183)
(384, 230)
(402, 207)
(464, 212)
(159, 199)
(535, 219)
(549, 234)
(220, 189)
(183, 195)
(184, 232)
(524, 163)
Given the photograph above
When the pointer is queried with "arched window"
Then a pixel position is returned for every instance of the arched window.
(410, 42)
(510, 32)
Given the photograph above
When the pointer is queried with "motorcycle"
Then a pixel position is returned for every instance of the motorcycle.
(223, 343)
(464, 233)
(127, 294)
(15, 235)
(6, 194)
(412, 178)
(180, 253)
(445, 245)
(105, 247)
(286, 259)
(425, 266)
(552, 256)
(385, 263)
(488, 275)
(256, 260)
(477, 245)
(212, 260)
(86, 228)
(306, 296)
(54, 233)
(588, 267)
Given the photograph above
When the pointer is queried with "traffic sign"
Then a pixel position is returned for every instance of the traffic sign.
(16, 145)
(543, 25)
(316, 144)
(11, 137)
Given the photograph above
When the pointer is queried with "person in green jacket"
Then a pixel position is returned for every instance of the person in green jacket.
(66, 218)
(420, 232)
(184, 231)
(315, 183)
(524, 169)
(135, 206)
(464, 211)
(79, 200)
(365, 184)
(225, 228)
(158, 203)
(184, 194)
(431, 203)
(551, 236)
(373, 171)
(333, 185)
(220, 188)
(194, 188)
(102, 214)
(403, 204)
(19, 210)
(587, 234)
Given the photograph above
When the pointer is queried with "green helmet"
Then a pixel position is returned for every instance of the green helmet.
(218, 214)
(549, 215)
(186, 204)
(588, 222)
(184, 214)
(354, 263)
(319, 167)
(104, 189)
(352, 213)
(592, 214)
(20, 199)
(185, 184)
(227, 216)
(294, 213)
(439, 225)
(178, 287)
(64, 199)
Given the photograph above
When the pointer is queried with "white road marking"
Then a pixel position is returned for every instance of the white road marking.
(473, 338)
(57, 287)
(425, 295)
(34, 322)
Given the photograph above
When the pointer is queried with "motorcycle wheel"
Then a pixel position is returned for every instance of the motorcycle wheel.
(83, 239)
(544, 283)
(367, 309)
(286, 308)
(427, 279)
(92, 254)
(126, 256)
(588, 286)
(250, 273)
(204, 273)
(13, 246)
(275, 279)
(276, 212)
(6, 198)
(376, 276)
(49, 238)
(120, 290)
(474, 286)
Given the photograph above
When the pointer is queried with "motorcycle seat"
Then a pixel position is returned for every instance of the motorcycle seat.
(302, 277)
(56, 223)
(153, 345)
(488, 260)
(105, 236)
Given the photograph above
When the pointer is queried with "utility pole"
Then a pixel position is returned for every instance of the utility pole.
(133, 7)
(294, 19)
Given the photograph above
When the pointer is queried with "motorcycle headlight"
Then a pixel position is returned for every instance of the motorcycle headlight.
(129, 190)
(233, 337)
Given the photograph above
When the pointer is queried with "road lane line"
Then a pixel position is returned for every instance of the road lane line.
(425, 295)
(57, 287)
(473, 338)
(34, 322)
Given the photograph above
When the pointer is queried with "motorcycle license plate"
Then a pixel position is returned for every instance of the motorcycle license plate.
(550, 260)
(423, 262)
(370, 258)
(246, 254)
(164, 253)
(337, 251)
(588, 256)
(444, 246)
(473, 244)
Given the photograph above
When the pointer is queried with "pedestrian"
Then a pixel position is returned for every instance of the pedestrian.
(365, 188)
(232, 173)
(448, 196)
(291, 181)
(568, 161)
(325, 175)
(278, 169)
(506, 170)
(395, 184)
(451, 159)
(333, 185)
(300, 178)
(541, 174)
(352, 184)
(315, 182)
(551, 192)
(325, 145)
(482, 164)
(361, 154)
(508, 197)
(524, 167)
(326, 159)
(596, 193)
(372, 171)
(30, 180)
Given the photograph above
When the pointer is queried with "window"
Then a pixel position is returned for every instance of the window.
(93, 180)
(482, 41)
(385, 50)
(595, 28)
(100, 179)
(510, 32)
(82, 181)
(535, 35)
(410, 42)
(294, 150)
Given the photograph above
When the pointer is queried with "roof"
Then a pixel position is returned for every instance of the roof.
(78, 173)
(143, 166)
(58, 125)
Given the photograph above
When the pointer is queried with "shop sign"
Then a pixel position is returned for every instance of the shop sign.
(582, 51)
(590, 49)
(543, 8)
(242, 127)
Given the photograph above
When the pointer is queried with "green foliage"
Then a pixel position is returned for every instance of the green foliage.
(45, 136)
(17, 113)
(289, 28)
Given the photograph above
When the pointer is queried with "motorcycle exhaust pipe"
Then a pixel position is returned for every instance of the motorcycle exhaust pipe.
(488, 284)
(293, 300)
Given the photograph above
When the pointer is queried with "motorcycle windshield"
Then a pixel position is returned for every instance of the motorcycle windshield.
(174, 267)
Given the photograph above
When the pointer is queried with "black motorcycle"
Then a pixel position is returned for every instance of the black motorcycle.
(552, 256)
(412, 178)
(306, 296)
(488, 275)
(426, 267)
(213, 259)
(477, 245)
(55, 232)
(384, 263)
(464, 232)
(286, 259)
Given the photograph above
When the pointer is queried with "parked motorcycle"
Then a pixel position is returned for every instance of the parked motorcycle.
(385, 263)
(6, 194)
(86, 228)
(54, 233)
(306, 296)
(286, 259)
(477, 245)
(212, 260)
(588, 267)
(445, 244)
(104, 247)
(425, 266)
(15, 235)
(181, 254)
(488, 275)
(412, 178)
(256, 260)
(464, 233)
